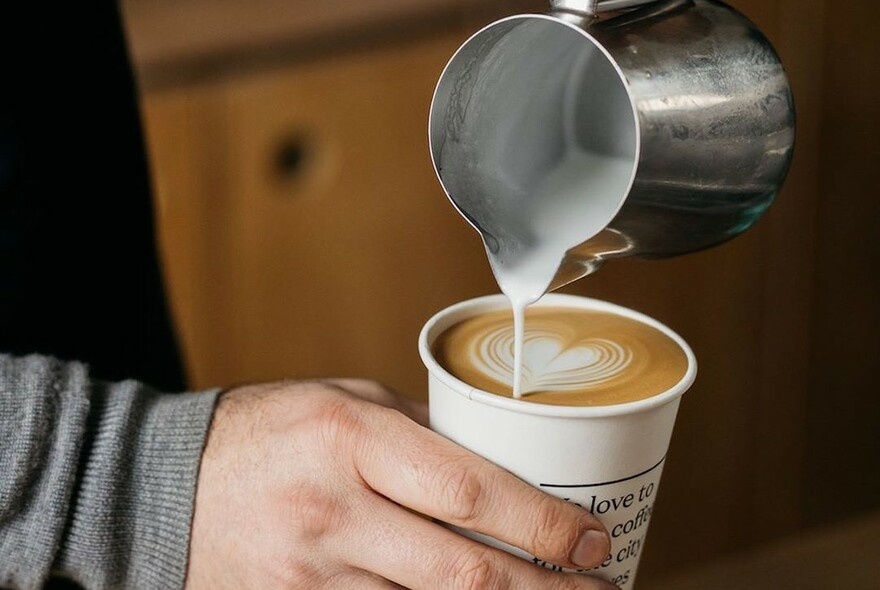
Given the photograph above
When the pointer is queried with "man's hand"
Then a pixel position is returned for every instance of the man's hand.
(320, 485)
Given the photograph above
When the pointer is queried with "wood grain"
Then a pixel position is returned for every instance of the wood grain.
(843, 556)
(333, 271)
(183, 40)
(843, 402)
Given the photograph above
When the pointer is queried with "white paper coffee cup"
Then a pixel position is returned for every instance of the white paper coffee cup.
(607, 459)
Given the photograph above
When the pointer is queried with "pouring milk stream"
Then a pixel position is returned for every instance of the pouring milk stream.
(525, 271)
(567, 139)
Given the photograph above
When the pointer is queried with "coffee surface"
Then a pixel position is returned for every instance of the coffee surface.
(571, 357)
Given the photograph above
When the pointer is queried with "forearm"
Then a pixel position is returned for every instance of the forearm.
(97, 480)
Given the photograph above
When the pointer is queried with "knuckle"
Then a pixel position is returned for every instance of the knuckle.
(313, 513)
(393, 418)
(553, 533)
(336, 420)
(461, 491)
(475, 570)
(377, 392)
(333, 581)
(296, 573)
(572, 583)
(372, 385)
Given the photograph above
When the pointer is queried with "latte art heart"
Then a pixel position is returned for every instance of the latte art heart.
(550, 361)
(572, 357)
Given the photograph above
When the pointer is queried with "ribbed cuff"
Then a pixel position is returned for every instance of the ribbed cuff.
(44, 407)
(132, 510)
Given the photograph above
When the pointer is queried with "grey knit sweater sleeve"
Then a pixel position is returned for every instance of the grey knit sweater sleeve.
(97, 480)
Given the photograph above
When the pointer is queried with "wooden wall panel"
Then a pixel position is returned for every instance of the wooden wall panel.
(788, 258)
(183, 41)
(329, 270)
(843, 447)
(340, 268)
(187, 143)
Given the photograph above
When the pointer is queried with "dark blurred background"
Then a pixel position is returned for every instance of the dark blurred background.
(304, 234)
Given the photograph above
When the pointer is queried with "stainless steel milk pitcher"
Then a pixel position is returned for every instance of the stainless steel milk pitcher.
(652, 132)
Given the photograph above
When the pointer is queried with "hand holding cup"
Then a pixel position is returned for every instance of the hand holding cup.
(322, 485)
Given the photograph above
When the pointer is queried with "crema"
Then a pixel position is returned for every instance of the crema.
(570, 356)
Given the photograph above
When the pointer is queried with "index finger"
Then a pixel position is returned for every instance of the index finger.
(430, 474)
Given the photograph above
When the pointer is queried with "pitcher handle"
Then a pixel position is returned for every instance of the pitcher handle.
(594, 7)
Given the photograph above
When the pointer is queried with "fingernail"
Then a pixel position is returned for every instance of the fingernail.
(591, 548)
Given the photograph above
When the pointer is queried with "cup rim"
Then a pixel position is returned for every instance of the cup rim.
(445, 318)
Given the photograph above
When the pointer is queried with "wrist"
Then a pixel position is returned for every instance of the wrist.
(132, 508)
